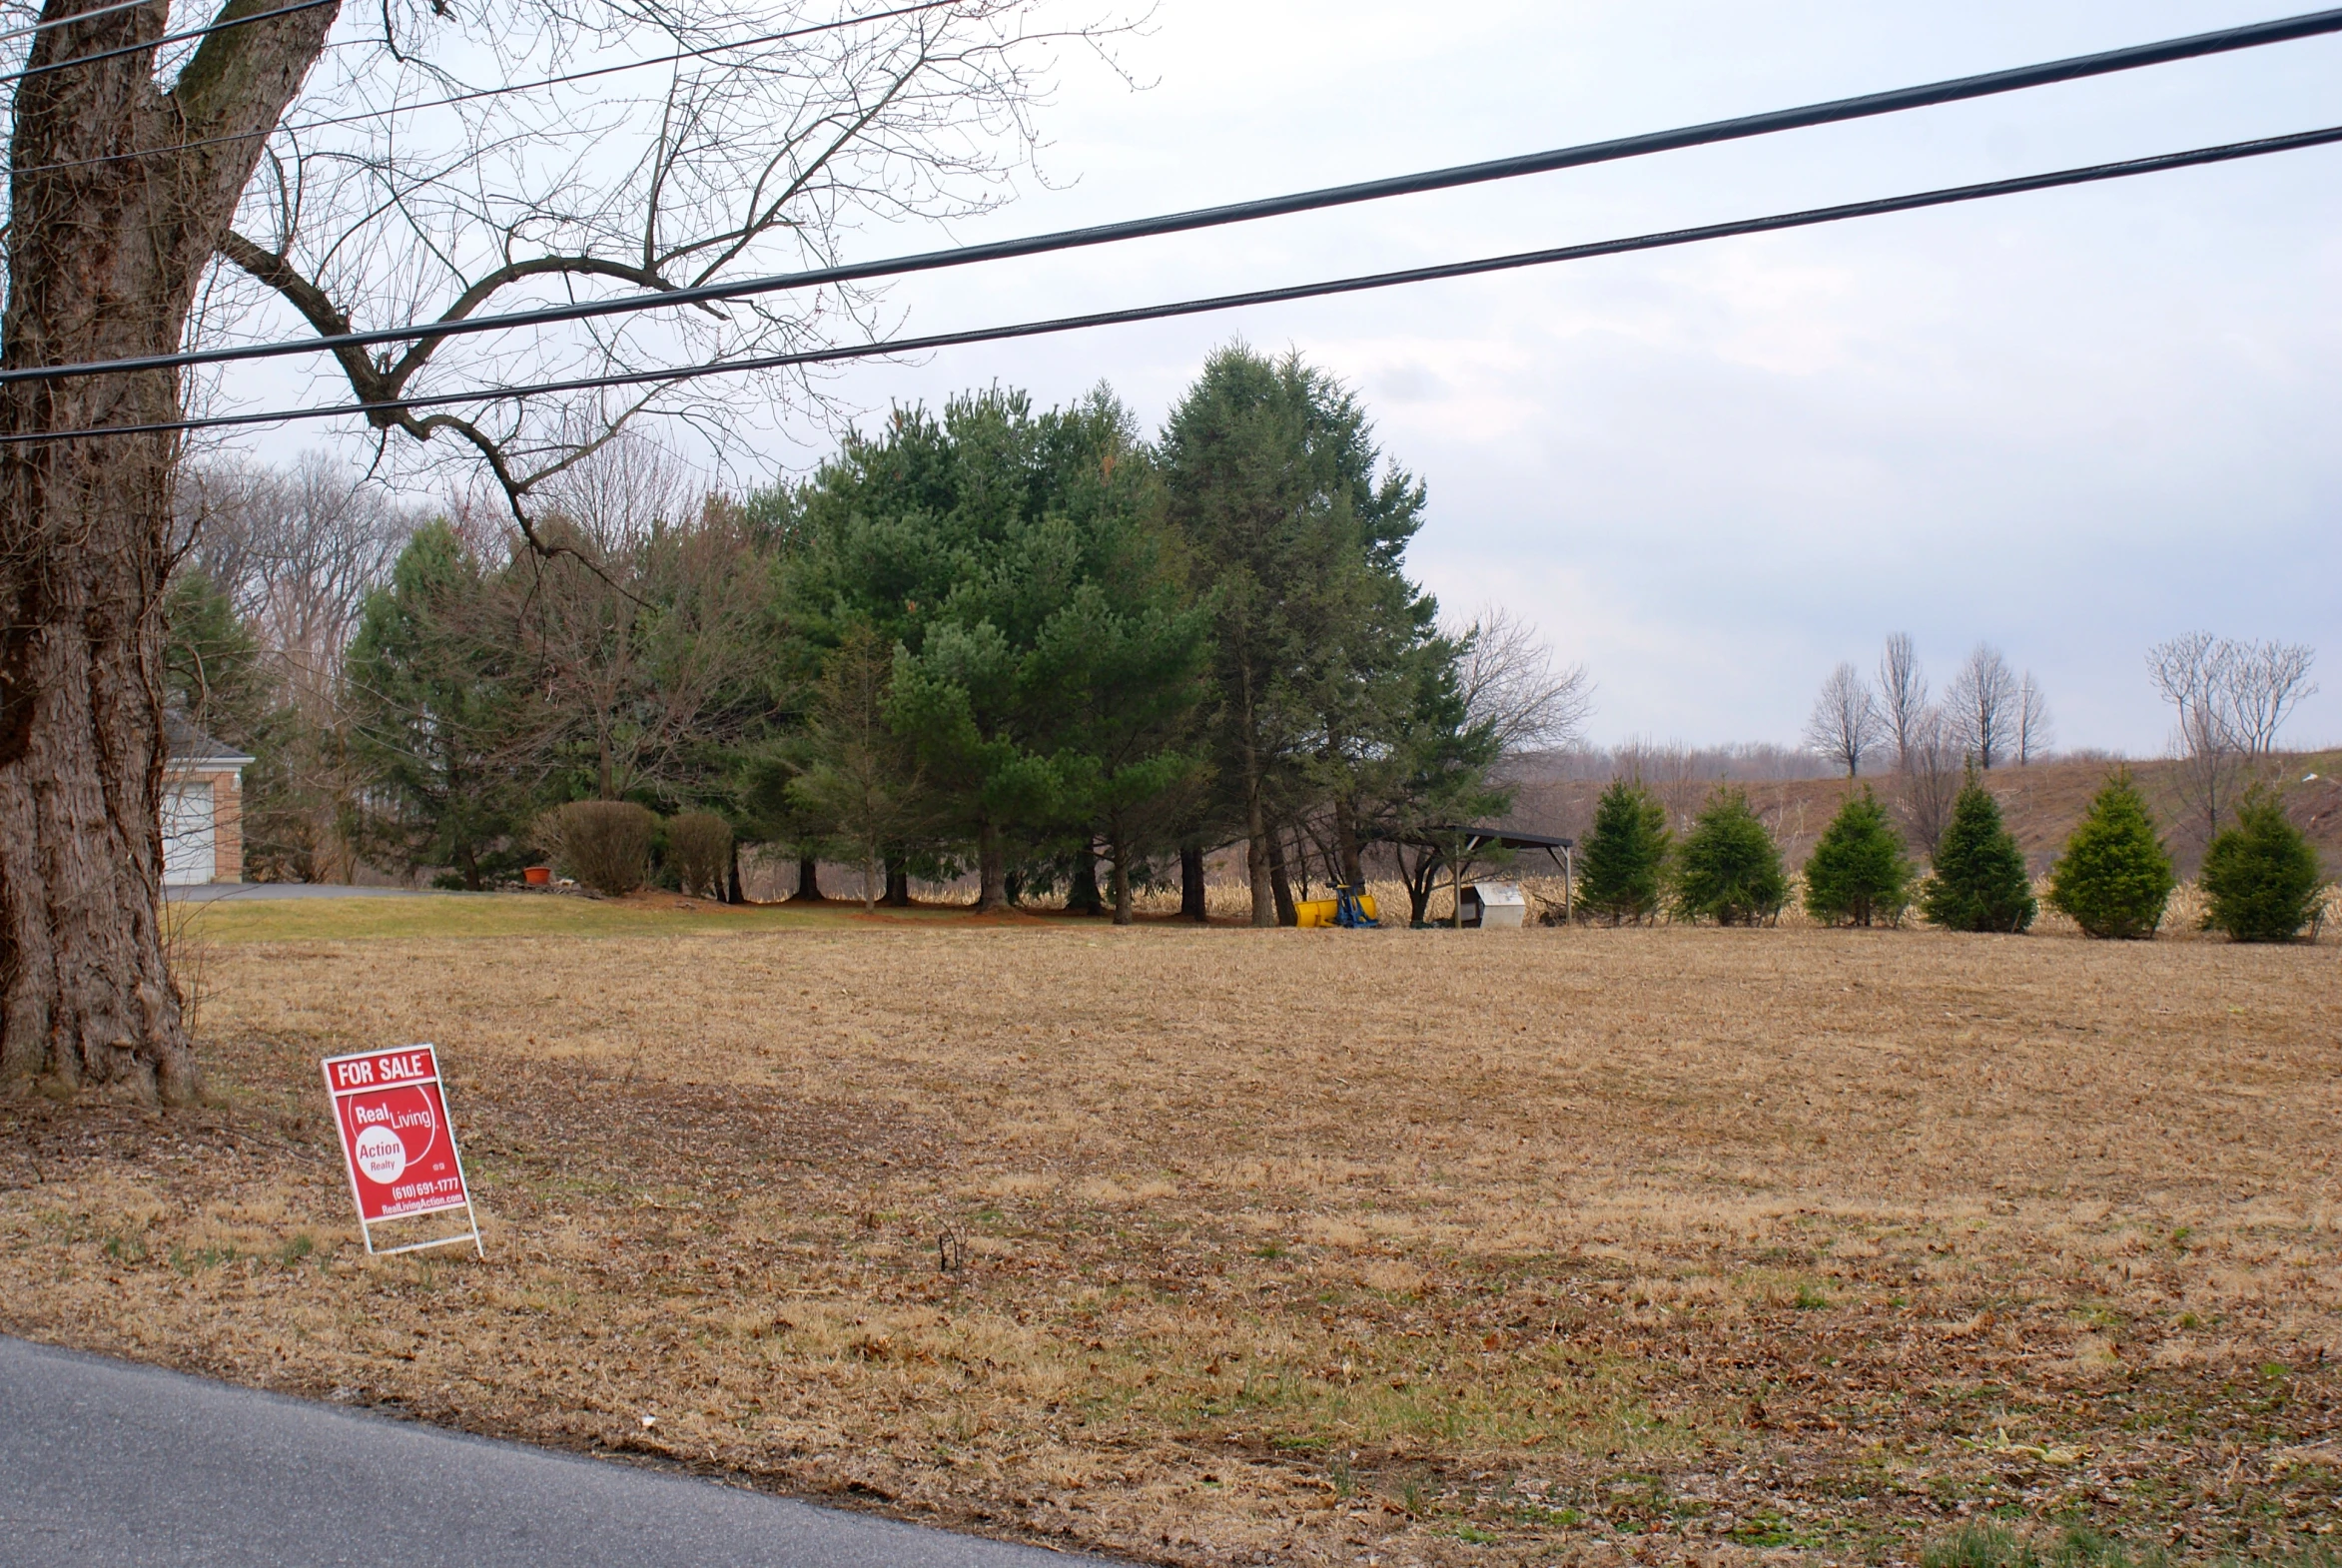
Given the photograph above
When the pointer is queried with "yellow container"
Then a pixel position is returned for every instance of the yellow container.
(1309, 913)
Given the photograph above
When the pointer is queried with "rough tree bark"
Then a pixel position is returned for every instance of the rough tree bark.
(1191, 897)
(991, 868)
(105, 254)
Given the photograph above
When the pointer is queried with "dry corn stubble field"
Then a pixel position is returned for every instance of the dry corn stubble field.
(1316, 1246)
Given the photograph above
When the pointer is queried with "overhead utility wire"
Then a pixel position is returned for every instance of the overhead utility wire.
(1808, 218)
(359, 116)
(78, 16)
(2251, 36)
(168, 38)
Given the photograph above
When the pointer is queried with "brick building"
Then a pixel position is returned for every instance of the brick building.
(202, 807)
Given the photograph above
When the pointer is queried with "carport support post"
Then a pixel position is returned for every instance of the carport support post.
(1456, 883)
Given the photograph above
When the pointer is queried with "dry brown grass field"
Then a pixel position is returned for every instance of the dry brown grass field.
(1298, 1246)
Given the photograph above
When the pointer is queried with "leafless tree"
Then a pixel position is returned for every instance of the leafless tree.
(1846, 724)
(2191, 674)
(2266, 682)
(639, 632)
(1931, 779)
(395, 196)
(1981, 707)
(1511, 684)
(2033, 733)
(296, 553)
(1902, 695)
(2228, 700)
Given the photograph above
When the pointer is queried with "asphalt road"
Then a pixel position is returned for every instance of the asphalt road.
(106, 1463)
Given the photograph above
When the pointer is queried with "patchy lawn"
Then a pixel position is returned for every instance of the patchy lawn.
(1309, 1245)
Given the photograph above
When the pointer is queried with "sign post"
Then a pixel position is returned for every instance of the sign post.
(398, 1141)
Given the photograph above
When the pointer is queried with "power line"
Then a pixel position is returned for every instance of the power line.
(2227, 40)
(508, 88)
(1667, 239)
(167, 38)
(79, 16)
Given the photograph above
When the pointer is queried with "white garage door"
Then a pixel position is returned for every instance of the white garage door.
(187, 834)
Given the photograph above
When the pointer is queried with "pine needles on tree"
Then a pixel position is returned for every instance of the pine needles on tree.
(1623, 862)
(2115, 876)
(1858, 873)
(1979, 882)
(2260, 878)
(1729, 868)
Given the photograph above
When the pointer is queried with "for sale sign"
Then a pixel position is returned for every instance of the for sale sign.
(391, 1111)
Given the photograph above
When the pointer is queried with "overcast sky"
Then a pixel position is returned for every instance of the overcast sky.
(2071, 423)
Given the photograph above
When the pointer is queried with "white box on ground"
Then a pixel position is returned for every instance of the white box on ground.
(1495, 905)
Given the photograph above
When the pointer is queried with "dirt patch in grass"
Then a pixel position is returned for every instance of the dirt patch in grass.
(1292, 1245)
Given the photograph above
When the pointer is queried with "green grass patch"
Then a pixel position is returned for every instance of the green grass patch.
(488, 915)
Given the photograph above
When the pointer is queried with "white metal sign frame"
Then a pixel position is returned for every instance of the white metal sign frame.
(334, 1096)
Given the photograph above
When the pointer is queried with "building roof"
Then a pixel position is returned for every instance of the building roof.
(187, 746)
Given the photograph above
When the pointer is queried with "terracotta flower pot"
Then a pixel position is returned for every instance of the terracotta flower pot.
(540, 876)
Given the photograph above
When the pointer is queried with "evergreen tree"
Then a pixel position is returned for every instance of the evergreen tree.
(435, 712)
(1979, 880)
(1299, 528)
(2115, 876)
(2260, 878)
(211, 661)
(1858, 871)
(1622, 864)
(1045, 643)
(1727, 869)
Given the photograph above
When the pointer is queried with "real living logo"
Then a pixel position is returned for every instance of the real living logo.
(397, 1142)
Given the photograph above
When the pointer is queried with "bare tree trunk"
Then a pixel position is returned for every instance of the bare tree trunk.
(1192, 901)
(1121, 851)
(1259, 847)
(1082, 896)
(898, 884)
(808, 882)
(1346, 829)
(103, 257)
(991, 868)
(1279, 882)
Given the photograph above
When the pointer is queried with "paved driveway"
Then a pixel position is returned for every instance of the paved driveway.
(105, 1464)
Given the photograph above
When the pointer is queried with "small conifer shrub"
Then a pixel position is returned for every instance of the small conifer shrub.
(1858, 873)
(2115, 876)
(2260, 878)
(1622, 864)
(1979, 883)
(1729, 869)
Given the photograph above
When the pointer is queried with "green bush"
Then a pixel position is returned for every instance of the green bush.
(2114, 877)
(2260, 878)
(604, 844)
(1623, 862)
(1858, 872)
(1979, 882)
(1729, 869)
(699, 852)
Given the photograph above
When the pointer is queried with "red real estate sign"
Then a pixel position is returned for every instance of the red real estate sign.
(396, 1138)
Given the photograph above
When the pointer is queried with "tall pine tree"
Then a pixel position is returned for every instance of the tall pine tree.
(1858, 872)
(1979, 880)
(2115, 876)
(1727, 869)
(1622, 864)
(2260, 878)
